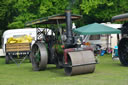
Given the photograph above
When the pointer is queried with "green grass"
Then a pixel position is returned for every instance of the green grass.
(107, 72)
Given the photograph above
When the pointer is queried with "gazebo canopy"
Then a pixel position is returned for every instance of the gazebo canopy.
(95, 28)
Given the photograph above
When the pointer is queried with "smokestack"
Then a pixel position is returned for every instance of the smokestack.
(69, 40)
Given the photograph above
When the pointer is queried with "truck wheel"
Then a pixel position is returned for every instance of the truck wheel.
(29, 58)
(7, 59)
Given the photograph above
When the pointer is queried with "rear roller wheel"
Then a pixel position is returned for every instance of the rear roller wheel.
(123, 51)
(39, 56)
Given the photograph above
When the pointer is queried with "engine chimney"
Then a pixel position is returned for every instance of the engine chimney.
(69, 40)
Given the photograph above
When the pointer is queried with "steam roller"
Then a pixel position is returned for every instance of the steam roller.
(123, 45)
(79, 62)
(61, 47)
(123, 42)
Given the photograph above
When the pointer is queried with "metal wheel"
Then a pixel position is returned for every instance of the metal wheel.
(80, 62)
(123, 51)
(39, 56)
(7, 59)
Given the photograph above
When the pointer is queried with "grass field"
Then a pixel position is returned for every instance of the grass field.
(107, 72)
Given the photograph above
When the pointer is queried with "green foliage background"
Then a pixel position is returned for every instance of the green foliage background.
(14, 13)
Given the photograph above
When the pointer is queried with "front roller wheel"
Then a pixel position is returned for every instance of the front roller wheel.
(80, 62)
(123, 51)
(39, 57)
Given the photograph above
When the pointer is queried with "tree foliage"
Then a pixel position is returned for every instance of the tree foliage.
(103, 10)
(28, 10)
(6, 13)
(14, 13)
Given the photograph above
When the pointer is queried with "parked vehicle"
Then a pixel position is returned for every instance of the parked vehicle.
(12, 50)
(17, 33)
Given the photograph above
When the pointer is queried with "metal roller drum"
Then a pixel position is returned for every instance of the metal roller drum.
(80, 62)
(39, 56)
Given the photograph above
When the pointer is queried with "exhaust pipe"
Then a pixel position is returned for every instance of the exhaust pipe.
(69, 40)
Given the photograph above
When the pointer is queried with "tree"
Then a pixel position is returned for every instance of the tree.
(28, 10)
(20, 11)
(23, 13)
(102, 10)
(7, 13)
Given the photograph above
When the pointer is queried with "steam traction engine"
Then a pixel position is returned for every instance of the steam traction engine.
(123, 43)
(61, 47)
